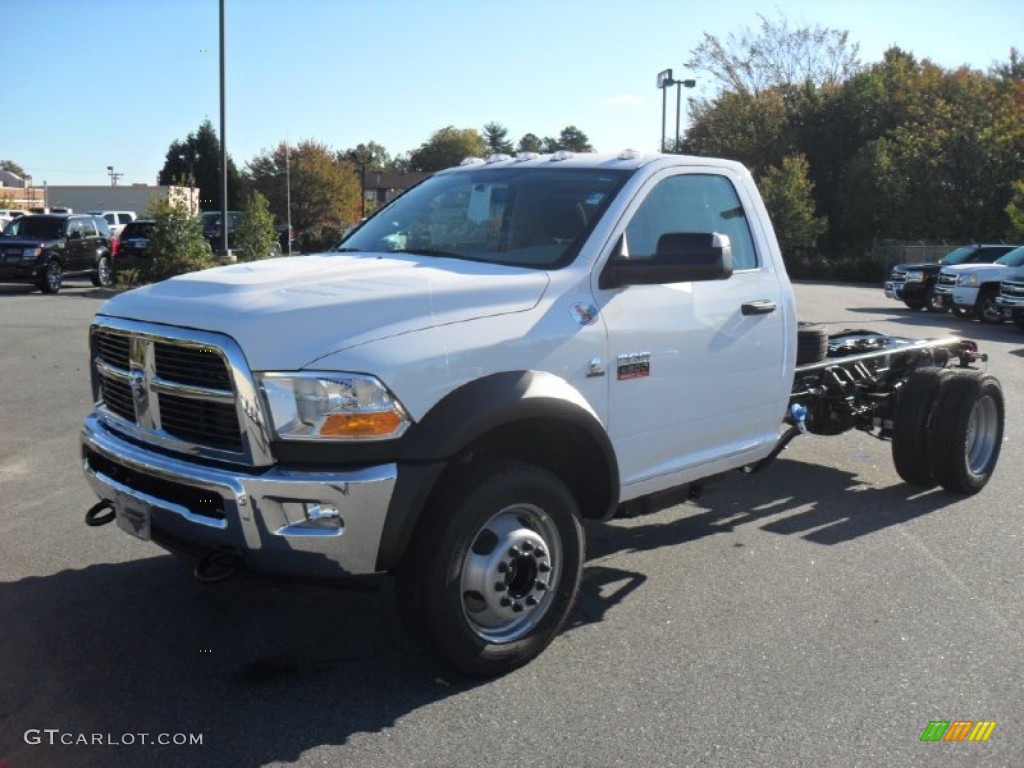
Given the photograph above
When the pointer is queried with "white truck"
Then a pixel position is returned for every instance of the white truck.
(972, 290)
(512, 346)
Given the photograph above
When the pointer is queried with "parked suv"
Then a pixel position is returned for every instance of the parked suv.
(134, 241)
(116, 220)
(914, 284)
(44, 248)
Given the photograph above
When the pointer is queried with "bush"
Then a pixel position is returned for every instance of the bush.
(256, 237)
(176, 244)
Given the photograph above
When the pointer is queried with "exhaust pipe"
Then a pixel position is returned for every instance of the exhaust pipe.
(96, 517)
(216, 566)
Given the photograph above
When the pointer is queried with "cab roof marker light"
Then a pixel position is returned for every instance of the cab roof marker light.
(630, 154)
(562, 154)
(498, 157)
(472, 161)
(522, 157)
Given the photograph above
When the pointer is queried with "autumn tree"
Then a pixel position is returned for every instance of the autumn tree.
(196, 162)
(325, 188)
(447, 147)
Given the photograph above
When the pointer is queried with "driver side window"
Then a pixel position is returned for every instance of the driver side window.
(691, 203)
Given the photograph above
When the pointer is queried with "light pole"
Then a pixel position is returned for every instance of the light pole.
(664, 81)
(687, 84)
(223, 146)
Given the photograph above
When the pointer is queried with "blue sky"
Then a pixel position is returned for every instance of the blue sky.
(93, 83)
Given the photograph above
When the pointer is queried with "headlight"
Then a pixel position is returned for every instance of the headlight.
(29, 254)
(331, 406)
(915, 277)
(971, 279)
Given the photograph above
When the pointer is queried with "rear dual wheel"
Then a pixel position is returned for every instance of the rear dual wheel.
(948, 429)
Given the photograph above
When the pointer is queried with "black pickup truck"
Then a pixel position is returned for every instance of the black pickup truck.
(213, 233)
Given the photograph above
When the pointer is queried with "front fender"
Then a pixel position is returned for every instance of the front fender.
(466, 418)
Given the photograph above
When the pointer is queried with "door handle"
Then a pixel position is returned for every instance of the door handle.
(760, 307)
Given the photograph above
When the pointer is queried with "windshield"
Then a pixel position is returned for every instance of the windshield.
(526, 217)
(1014, 258)
(41, 227)
(959, 256)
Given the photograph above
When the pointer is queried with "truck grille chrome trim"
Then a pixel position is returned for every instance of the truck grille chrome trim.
(186, 391)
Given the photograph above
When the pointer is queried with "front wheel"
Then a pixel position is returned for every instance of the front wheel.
(915, 304)
(987, 309)
(933, 302)
(53, 277)
(494, 568)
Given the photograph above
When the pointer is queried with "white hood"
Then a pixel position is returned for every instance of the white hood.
(287, 312)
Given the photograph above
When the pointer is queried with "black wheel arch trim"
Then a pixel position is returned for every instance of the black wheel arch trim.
(468, 415)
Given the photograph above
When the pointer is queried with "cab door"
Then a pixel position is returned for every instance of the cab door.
(697, 371)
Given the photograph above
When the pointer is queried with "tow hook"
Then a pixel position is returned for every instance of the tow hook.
(216, 566)
(96, 517)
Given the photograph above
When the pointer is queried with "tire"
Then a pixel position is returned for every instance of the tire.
(915, 304)
(104, 277)
(494, 568)
(986, 308)
(275, 250)
(933, 302)
(966, 431)
(910, 429)
(811, 343)
(53, 277)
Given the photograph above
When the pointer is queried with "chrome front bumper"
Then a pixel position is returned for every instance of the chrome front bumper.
(294, 523)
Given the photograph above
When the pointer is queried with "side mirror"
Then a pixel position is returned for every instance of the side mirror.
(681, 257)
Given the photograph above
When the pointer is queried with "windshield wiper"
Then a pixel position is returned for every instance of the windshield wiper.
(432, 252)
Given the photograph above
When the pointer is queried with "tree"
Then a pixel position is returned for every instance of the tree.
(775, 55)
(375, 157)
(530, 142)
(325, 189)
(496, 136)
(571, 139)
(196, 162)
(176, 243)
(447, 147)
(256, 238)
(1015, 211)
(788, 196)
(13, 167)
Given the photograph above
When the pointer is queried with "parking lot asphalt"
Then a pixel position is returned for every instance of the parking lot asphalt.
(821, 613)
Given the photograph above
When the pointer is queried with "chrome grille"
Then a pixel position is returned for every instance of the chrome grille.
(1012, 289)
(168, 388)
(197, 366)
